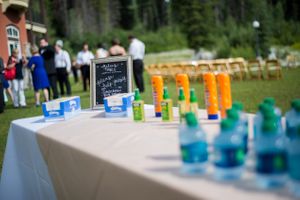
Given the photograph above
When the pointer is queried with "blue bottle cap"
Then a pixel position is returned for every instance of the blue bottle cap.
(158, 114)
(213, 117)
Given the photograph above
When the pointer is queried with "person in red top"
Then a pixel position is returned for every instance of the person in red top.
(17, 82)
(9, 75)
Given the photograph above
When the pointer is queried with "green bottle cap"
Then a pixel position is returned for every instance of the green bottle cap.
(226, 124)
(269, 126)
(137, 95)
(166, 93)
(238, 106)
(270, 101)
(269, 113)
(296, 105)
(232, 114)
(193, 97)
(191, 119)
(261, 107)
(295, 101)
(181, 96)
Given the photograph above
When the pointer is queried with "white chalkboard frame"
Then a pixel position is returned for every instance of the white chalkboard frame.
(111, 59)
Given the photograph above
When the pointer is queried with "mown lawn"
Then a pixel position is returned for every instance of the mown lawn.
(250, 93)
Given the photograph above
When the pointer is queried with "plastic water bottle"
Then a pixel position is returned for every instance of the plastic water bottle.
(229, 155)
(240, 108)
(258, 120)
(193, 146)
(271, 156)
(243, 117)
(294, 163)
(271, 101)
(240, 126)
(268, 112)
(293, 119)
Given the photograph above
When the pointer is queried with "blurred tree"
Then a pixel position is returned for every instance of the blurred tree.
(197, 21)
(213, 24)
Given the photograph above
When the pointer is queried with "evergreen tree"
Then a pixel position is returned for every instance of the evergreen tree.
(196, 19)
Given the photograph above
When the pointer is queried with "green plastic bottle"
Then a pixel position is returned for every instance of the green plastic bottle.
(193, 103)
(138, 107)
(182, 105)
(166, 107)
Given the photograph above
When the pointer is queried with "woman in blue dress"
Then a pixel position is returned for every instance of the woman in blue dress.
(39, 75)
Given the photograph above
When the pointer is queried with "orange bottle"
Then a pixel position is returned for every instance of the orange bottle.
(224, 93)
(157, 92)
(182, 80)
(211, 95)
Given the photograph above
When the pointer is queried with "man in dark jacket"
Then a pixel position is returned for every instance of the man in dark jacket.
(48, 53)
(1, 85)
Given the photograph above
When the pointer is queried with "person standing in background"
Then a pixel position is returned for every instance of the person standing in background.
(17, 83)
(83, 61)
(74, 69)
(39, 75)
(63, 67)
(1, 86)
(137, 51)
(9, 75)
(48, 54)
(101, 51)
(116, 49)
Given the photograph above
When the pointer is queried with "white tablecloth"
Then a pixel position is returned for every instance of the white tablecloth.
(157, 164)
(24, 173)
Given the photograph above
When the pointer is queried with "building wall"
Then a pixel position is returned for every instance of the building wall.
(11, 17)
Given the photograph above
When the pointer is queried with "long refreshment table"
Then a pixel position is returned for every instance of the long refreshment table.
(92, 157)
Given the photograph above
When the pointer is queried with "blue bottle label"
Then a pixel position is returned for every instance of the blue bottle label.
(194, 152)
(271, 162)
(291, 131)
(294, 166)
(229, 157)
(245, 143)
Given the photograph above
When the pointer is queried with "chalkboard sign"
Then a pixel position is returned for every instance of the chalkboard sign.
(110, 76)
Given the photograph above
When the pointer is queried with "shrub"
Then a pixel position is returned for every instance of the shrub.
(165, 39)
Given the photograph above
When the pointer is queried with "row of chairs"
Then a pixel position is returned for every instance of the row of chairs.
(237, 68)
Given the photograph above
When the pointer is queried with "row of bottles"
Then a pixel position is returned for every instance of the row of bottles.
(166, 105)
(276, 152)
(214, 98)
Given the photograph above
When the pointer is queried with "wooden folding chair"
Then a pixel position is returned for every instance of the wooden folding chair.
(175, 68)
(165, 71)
(202, 67)
(189, 69)
(238, 68)
(255, 69)
(273, 69)
(219, 65)
(152, 69)
(291, 61)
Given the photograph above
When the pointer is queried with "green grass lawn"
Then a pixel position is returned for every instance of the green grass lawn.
(250, 93)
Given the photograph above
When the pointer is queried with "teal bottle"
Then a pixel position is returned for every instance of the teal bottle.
(229, 154)
(193, 146)
(271, 156)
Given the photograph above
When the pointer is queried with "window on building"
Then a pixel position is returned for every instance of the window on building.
(13, 38)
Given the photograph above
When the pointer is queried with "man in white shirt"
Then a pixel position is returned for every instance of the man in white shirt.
(63, 67)
(137, 51)
(83, 61)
